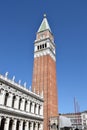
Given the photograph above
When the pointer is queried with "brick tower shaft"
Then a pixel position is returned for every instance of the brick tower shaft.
(44, 71)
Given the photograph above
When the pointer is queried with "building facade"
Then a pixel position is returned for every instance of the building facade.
(78, 120)
(20, 109)
(84, 119)
(44, 70)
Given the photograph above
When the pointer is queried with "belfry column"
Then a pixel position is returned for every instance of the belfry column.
(6, 125)
(14, 124)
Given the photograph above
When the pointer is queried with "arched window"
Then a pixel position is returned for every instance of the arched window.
(29, 125)
(45, 45)
(2, 124)
(17, 126)
(38, 126)
(6, 98)
(39, 110)
(25, 105)
(20, 103)
(14, 98)
(10, 124)
(37, 47)
(35, 109)
(40, 46)
(24, 125)
(30, 106)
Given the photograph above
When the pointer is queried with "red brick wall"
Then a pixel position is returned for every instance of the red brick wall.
(44, 79)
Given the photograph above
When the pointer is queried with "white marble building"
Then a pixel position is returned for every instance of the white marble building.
(20, 109)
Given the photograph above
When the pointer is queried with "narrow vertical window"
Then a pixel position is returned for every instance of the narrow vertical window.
(38, 47)
(45, 45)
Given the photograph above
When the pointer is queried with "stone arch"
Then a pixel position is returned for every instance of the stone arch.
(25, 105)
(35, 106)
(14, 98)
(39, 108)
(20, 101)
(30, 106)
(24, 123)
(6, 98)
(29, 125)
(2, 123)
(17, 126)
(38, 126)
(10, 124)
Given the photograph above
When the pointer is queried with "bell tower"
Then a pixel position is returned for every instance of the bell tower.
(44, 70)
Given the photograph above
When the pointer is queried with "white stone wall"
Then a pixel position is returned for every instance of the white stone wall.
(18, 123)
(84, 119)
(17, 101)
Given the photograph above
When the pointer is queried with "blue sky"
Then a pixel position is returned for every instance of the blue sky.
(19, 22)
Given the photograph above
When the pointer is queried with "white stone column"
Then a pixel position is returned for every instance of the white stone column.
(9, 100)
(16, 102)
(26, 125)
(28, 106)
(41, 127)
(22, 105)
(37, 107)
(6, 125)
(14, 124)
(31, 126)
(36, 126)
(2, 97)
(21, 125)
(32, 107)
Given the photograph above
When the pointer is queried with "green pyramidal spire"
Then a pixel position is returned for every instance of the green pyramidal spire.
(44, 25)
